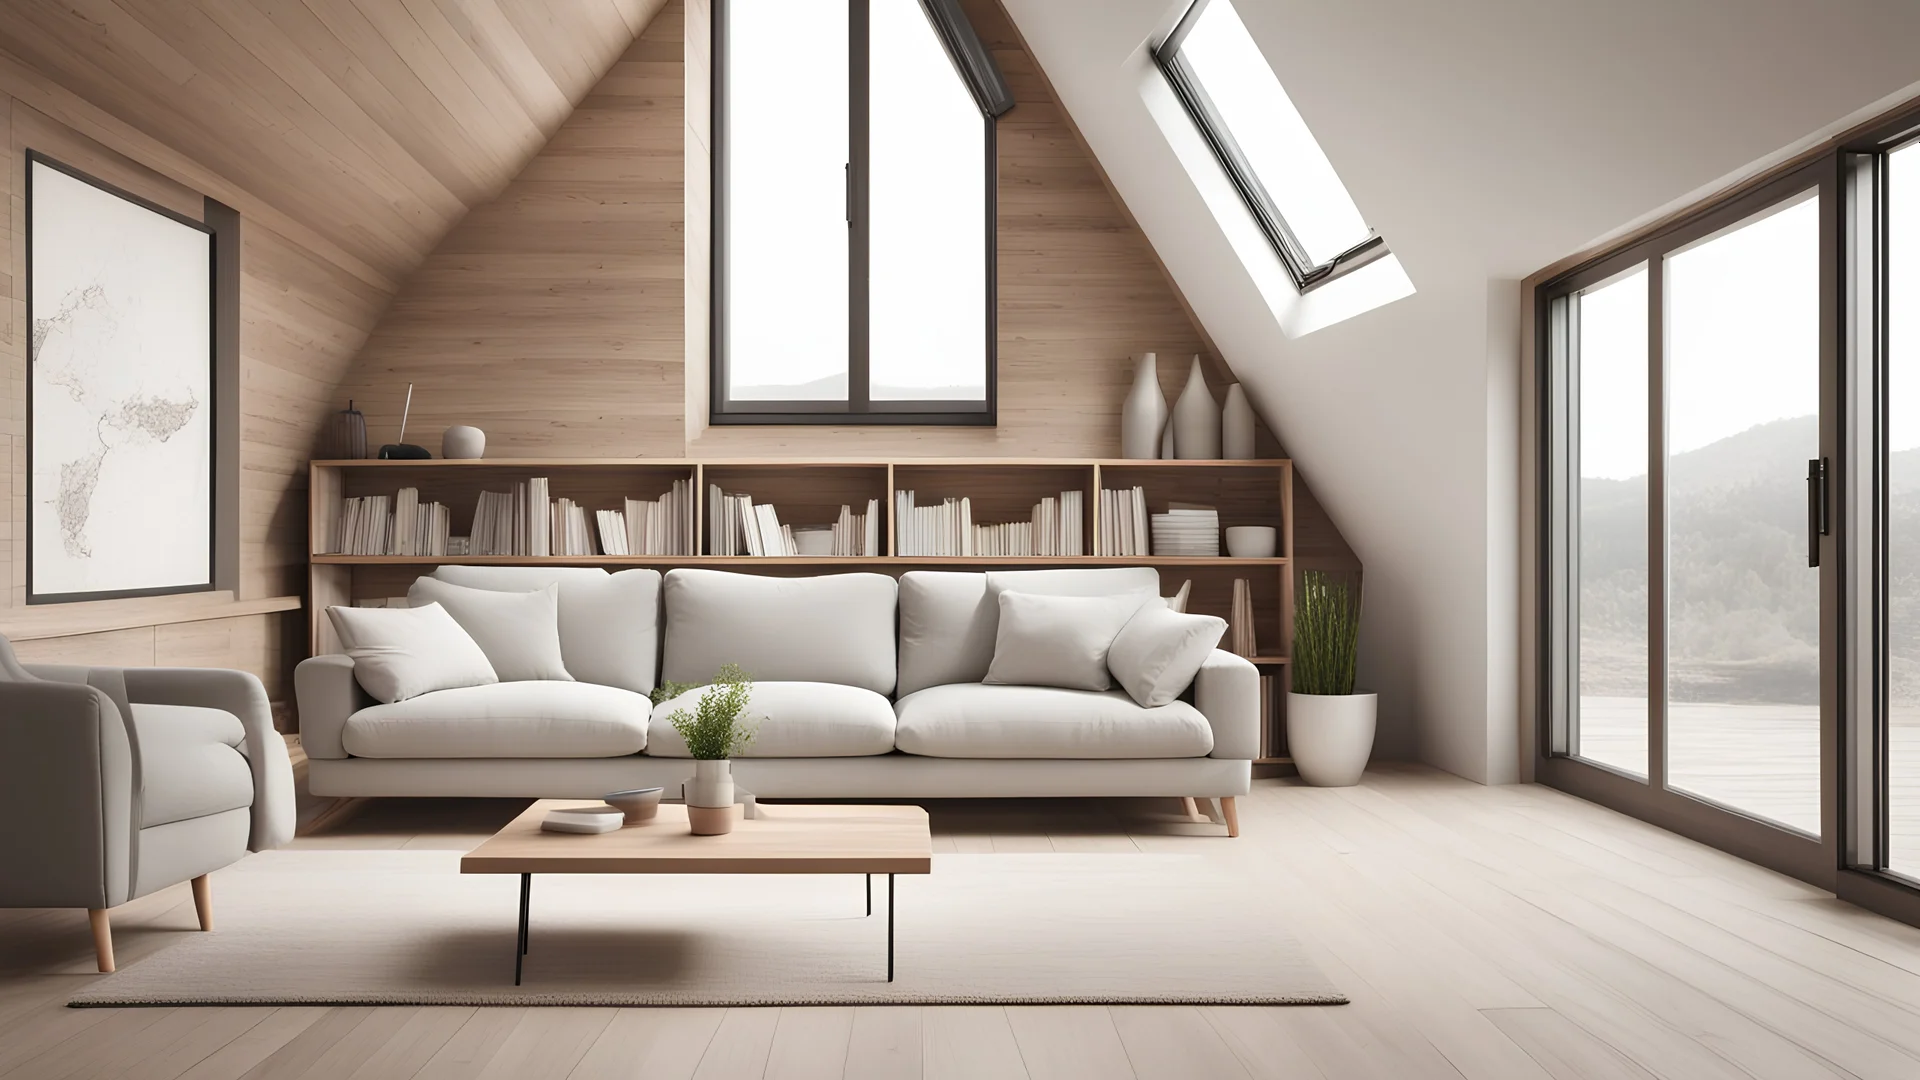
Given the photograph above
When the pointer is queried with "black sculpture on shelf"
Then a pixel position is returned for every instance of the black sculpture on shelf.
(403, 449)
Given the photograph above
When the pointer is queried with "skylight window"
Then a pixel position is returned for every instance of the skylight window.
(1274, 162)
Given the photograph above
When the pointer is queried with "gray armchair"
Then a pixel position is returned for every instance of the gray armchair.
(117, 782)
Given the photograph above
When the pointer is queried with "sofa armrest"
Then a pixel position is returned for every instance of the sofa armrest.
(241, 694)
(67, 776)
(1227, 693)
(327, 693)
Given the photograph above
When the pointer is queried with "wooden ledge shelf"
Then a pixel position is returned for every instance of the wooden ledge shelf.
(824, 561)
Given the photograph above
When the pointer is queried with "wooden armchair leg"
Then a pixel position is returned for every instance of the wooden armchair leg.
(102, 938)
(1232, 813)
(203, 901)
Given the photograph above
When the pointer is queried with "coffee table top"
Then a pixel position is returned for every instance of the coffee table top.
(784, 839)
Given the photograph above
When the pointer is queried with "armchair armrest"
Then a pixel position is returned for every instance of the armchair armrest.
(241, 694)
(67, 773)
(327, 694)
(1227, 693)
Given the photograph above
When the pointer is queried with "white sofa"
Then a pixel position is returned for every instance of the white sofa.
(864, 688)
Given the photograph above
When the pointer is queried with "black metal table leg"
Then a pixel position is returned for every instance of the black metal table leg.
(520, 946)
(869, 894)
(889, 927)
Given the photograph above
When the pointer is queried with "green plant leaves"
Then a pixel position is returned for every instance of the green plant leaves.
(713, 731)
(1326, 635)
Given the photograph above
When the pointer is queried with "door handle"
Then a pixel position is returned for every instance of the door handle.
(1817, 524)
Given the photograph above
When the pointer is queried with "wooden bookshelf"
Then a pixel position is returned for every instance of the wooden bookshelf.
(810, 493)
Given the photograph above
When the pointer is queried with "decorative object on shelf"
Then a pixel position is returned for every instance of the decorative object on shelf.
(120, 361)
(1196, 419)
(583, 819)
(639, 805)
(714, 733)
(1329, 727)
(404, 450)
(1178, 601)
(1252, 541)
(1166, 440)
(346, 437)
(1240, 637)
(813, 540)
(1188, 530)
(1236, 426)
(463, 442)
(1143, 416)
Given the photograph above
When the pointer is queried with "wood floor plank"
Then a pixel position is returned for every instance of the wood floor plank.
(658, 1044)
(885, 1044)
(810, 1044)
(473, 1046)
(1266, 1049)
(1072, 1042)
(1174, 1042)
(739, 1048)
(1565, 1049)
(547, 1044)
(260, 1042)
(969, 1042)
(414, 1043)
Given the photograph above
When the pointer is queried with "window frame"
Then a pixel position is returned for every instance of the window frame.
(859, 408)
(1188, 87)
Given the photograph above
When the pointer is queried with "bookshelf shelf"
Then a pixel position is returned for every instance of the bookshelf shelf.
(809, 493)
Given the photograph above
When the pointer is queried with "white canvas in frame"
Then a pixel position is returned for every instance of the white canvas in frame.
(121, 423)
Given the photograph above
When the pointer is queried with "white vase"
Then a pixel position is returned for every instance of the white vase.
(1196, 420)
(462, 441)
(1236, 426)
(712, 784)
(1330, 736)
(1143, 416)
(1166, 440)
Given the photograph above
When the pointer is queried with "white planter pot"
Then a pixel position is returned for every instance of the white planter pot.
(712, 784)
(1331, 736)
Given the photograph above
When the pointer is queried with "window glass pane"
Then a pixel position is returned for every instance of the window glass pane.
(1612, 556)
(927, 216)
(1743, 648)
(785, 186)
(1903, 508)
(1286, 159)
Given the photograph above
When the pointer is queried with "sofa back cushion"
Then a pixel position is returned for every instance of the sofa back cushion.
(949, 620)
(837, 628)
(609, 623)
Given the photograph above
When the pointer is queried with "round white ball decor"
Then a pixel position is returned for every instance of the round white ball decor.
(462, 441)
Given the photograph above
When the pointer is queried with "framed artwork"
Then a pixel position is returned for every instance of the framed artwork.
(120, 392)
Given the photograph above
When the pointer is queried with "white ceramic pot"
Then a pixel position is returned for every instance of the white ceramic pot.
(1236, 426)
(1252, 541)
(1330, 736)
(463, 441)
(712, 784)
(1143, 416)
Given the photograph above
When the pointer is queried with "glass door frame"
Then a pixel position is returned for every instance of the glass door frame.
(1651, 798)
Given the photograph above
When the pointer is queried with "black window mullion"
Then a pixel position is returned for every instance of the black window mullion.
(859, 368)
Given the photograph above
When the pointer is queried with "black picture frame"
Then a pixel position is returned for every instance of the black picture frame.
(214, 417)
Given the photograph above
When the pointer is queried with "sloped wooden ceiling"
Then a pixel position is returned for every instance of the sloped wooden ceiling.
(376, 123)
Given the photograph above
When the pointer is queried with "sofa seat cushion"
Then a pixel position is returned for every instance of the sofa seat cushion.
(977, 720)
(795, 720)
(504, 720)
(190, 763)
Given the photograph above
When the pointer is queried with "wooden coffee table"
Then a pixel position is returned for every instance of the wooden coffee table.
(777, 840)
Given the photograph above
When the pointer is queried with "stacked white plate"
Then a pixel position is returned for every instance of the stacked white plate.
(1190, 533)
(584, 819)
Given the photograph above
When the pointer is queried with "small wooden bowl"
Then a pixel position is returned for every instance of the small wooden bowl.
(640, 805)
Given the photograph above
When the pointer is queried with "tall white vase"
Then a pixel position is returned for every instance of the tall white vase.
(1196, 420)
(1330, 736)
(1144, 414)
(1236, 426)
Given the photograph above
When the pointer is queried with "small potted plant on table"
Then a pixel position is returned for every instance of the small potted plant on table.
(1329, 727)
(714, 733)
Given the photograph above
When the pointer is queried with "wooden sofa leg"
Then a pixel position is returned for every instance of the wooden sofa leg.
(1231, 813)
(203, 901)
(102, 938)
(1192, 808)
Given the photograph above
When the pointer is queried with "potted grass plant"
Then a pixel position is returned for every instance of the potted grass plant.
(714, 733)
(1329, 727)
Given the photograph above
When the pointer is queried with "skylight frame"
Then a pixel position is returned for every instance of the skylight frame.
(1260, 203)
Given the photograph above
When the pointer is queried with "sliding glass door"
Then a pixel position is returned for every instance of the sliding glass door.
(1691, 615)
(1900, 453)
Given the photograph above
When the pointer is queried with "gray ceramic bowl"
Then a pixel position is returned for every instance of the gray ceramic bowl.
(638, 804)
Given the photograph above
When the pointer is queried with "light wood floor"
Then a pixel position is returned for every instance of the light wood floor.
(1488, 933)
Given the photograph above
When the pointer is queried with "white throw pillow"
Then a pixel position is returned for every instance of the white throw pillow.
(400, 653)
(1058, 640)
(519, 631)
(1157, 654)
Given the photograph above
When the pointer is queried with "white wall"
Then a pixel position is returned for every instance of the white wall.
(1484, 139)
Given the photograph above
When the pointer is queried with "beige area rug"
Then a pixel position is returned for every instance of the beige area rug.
(406, 928)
